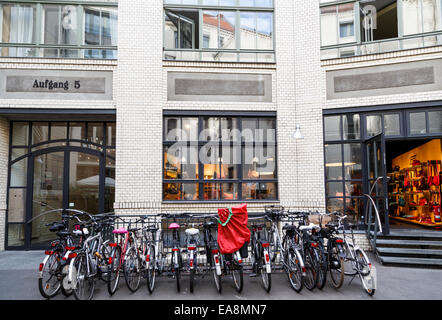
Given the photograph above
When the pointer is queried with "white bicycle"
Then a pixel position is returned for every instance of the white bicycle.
(356, 262)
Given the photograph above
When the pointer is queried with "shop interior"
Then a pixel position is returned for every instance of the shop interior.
(414, 188)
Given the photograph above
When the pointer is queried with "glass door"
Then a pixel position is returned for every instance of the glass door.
(377, 178)
(64, 178)
(47, 193)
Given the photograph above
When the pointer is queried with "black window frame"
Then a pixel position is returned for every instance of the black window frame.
(68, 145)
(240, 179)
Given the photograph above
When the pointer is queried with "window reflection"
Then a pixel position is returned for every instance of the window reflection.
(435, 121)
(18, 26)
(332, 127)
(220, 156)
(259, 191)
(351, 126)
(374, 125)
(214, 31)
(352, 161)
(333, 161)
(418, 123)
(40, 132)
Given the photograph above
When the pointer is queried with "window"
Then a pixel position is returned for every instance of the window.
(219, 30)
(337, 24)
(425, 122)
(210, 158)
(350, 28)
(100, 29)
(421, 16)
(55, 30)
(89, 177)
(343, 164)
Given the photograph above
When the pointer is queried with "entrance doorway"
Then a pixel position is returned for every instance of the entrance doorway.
(67, 178)
(56, 165)
(414, 188)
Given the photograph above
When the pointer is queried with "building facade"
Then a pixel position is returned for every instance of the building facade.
(191, 105)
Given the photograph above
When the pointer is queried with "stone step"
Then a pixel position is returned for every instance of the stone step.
(402, 242)
(407, 261)
(408, 252)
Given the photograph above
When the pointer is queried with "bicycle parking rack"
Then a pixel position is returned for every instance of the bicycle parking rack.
(186, 220)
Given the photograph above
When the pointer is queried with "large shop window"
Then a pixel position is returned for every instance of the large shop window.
(224, 30)
(343, 164)
(55, 165)
(219, 158)
(53, 30)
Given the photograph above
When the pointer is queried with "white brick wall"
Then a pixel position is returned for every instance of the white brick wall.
(140, 96)
(4, 154)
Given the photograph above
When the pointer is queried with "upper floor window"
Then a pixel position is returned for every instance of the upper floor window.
(53, 30)
(350, 28)
(219, 30)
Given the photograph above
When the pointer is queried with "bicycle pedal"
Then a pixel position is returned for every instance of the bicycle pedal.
(253, 275)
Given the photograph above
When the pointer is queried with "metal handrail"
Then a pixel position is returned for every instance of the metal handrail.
(378, 43)
(368, 216)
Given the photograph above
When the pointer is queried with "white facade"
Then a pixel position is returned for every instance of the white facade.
(141, 96)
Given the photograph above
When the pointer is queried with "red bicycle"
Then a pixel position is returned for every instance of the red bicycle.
(126, 257)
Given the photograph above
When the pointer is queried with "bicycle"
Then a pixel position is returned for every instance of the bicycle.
(125, 256)
(303, 239)
(358, 260)
(192, 241)
(291, 258)
(154, 258)
(176, 262)
(335, 251)
(89, 260)
(211, 249)
(260, 254)
(212, 252)
(54, 268)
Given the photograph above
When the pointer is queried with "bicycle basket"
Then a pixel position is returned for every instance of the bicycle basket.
(319, 219)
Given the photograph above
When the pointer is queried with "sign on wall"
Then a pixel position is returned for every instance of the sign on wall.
(56, 84)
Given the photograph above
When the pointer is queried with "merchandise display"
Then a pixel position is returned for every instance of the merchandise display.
(415, 193)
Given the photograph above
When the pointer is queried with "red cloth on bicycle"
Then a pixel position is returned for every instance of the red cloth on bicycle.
(235, 233)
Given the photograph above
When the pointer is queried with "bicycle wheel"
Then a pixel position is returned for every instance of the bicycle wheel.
(48, 283)
(216, 277)
(310, 278)
(368, 279)
(322, 274)
(66, 293)
(131, 269)
(177, 278)
(266, 277)
(176, 266)
(294, 270)
(150, 277)
(192, 280)
(84, 290)
(114, 268)
(273, 248)
(336, 265)
(238, 278)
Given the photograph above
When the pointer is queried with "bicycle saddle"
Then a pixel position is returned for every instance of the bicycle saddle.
(120, 231)
(192, 232)
(57, 227)
(309, 227)
(151, 229)
(289, 227)
(174, 226)
(210, 224)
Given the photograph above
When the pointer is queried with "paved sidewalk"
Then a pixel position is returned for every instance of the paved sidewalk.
(18, 281)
